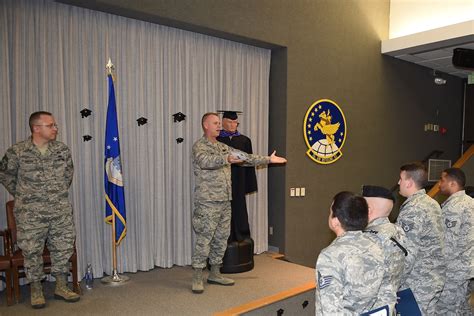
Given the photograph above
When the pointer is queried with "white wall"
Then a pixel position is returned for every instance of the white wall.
(414, 16)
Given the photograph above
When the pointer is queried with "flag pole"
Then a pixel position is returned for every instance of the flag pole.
(114, 247)
(114, 279)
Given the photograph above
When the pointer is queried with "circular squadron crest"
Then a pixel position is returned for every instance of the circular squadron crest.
(324, 131)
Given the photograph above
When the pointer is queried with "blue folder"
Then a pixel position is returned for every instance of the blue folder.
(407, 305)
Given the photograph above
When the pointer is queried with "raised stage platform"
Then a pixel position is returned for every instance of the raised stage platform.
(271, 286)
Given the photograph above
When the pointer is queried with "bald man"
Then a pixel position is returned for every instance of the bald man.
(212, 162)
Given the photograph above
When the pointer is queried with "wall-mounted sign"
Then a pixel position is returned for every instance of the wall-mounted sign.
(325, 131)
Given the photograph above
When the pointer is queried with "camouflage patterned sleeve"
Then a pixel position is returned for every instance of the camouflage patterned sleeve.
(412, 254)
(469, 241)
(250, 160)
(329, 286)
(411, 223)
(9, 171)
(256, 160)
(459, 235)
(207, 159)
(69, 169)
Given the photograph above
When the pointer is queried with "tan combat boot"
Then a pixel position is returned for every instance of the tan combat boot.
(198, 287)
(215, 277)
(37, 298)
(62, 292)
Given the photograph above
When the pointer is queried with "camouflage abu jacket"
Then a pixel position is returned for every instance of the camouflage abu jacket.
(212, 170)
(34, 178)
(458, 214)
(420, 218)
(349, 275)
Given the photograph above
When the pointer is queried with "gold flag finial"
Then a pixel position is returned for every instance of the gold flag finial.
(110, 67)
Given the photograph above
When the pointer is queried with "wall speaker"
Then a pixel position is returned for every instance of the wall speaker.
(463, 58)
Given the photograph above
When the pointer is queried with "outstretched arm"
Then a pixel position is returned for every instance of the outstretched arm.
(254, 160)
(231, 159)
(275, 159)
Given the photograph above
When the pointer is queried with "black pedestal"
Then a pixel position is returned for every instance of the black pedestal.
(238, 257)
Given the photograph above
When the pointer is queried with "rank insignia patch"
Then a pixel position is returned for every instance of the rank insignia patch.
(450, 224)
(324, 281)
(324, 131)
(406, 226)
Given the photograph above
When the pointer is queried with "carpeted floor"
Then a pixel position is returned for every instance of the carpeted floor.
(168, 292)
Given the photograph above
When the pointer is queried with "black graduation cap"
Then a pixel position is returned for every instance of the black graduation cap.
(178, 117)
(87, 138)
(376, 191)
(142, 121)
(179, 140)
(231, 115)
(85, 112)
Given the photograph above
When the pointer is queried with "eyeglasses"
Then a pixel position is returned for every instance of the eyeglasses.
(49, 125)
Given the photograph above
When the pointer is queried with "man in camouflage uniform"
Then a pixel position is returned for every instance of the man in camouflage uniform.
(212, 195)
(396, 246)
(38, 173)
(420, 218)
(349, 272)
(458, 214)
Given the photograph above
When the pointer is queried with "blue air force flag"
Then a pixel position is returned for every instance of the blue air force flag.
(113, 182)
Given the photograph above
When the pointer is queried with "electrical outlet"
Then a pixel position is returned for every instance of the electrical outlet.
(270, 230)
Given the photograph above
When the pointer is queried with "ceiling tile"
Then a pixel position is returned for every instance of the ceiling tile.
(434, 54)
(447, 61)
(468, 45)
(449, 69)
(428, 64)
(459, 74)
(410, 58)
(439, 59)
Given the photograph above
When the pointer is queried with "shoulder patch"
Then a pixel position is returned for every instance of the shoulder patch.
(324, 281)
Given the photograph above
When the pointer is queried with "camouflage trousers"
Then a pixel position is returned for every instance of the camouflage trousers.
(454, 299)
(211, 222)
(34, 229)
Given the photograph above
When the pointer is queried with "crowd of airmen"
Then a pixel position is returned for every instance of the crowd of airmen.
(427, 253)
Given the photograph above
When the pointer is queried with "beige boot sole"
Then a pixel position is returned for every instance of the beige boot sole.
(219, 283)
(72, 300)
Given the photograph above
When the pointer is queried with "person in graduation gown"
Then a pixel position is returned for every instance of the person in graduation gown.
(244, 179)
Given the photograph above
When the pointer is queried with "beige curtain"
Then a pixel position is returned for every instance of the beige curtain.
(53, 56)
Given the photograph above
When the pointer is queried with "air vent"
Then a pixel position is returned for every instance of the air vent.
(436, 167)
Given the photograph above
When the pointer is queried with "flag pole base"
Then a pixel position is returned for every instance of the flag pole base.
(115, 279)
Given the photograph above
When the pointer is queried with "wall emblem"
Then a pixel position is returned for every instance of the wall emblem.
(324, 131)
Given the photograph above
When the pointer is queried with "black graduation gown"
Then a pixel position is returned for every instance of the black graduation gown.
(244, 181)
